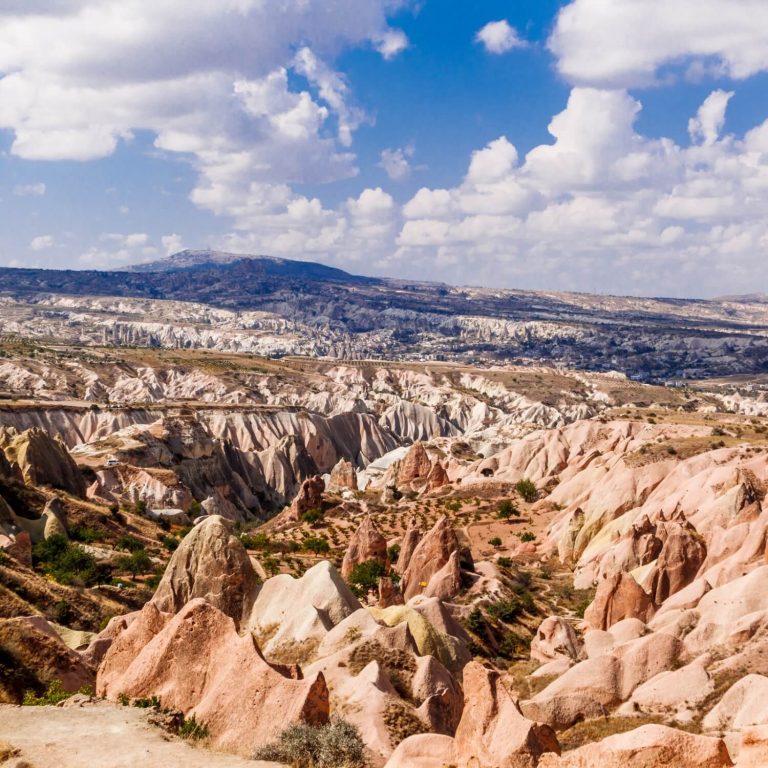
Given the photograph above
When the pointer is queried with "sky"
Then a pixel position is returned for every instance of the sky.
(607, 146)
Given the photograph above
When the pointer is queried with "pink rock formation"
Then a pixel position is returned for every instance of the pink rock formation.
(343, 477)
(431, 554)
(388, 594)
(437, 477)
(493, 732)
(365, 544)
(650, 746)
(408, 546)
(555, 639)
(618, 597)
(681, 556)
(211, 563)
(197, 663)
(446, 583)
(425, 750)
(414, 467)
(310, 496)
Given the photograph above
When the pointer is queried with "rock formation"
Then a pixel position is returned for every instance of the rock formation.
(430, 555)
(343, 477)
(618, 597)
(210, 563)
(366, 544)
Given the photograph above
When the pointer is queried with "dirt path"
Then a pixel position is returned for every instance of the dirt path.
(102, 735)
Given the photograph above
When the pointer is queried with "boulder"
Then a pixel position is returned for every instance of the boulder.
(365, 544)
(555, 639)
(493, 732)
(198, 664)
(431, 554)
(425, 750)
(744, 704)
(618, 597)
(650, 746)
(211, 563)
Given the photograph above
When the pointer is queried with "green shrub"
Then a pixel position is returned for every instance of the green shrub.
(171, 543)
(316, 544)
(83, 533)
(191, 729)
(147, 703)
(312, 516)
(53, 694)
(337, 744)
(136, 563)
(140, 507)
(393, 553)
(495, 541)
(68, 564)
(527, 489)
(504, 562)
(507, 509)
(526, 536)
(257, 541)
(365, 577)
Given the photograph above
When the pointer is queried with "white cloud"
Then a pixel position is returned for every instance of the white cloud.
(396, 163)
(80, 77)
(627, 42)
(42, 243)
(710, 118)
(30, 190)
(499, 37)
(172, 244)
(601, 208)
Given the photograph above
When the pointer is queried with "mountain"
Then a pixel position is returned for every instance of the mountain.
(271, 306)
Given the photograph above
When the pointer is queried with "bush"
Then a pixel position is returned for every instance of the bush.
(507, 509)
(257, 541)
(140, 507)
(53, 694)
(136, 563)
(495, 541)
(393, 553)
(316, 544)
(527, 536)
(83, 533)
(69, 564)
(335, 745)
(191, 729)
(171, 543)
(129, 544)
(365, 577)
(527, 489)
(312, 516)
(504, 562)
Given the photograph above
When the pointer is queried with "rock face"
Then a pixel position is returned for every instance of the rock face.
(681, 556)
(411, 539)
(415, 467)
(431, 554)
(618, 597)
(366, 544)
(650, 746)
(198, 664)
(33, 657)
(343, 477)
(210, 563)
(42, 460)
(446, 582)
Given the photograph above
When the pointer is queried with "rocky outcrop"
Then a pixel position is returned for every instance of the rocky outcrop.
(210, 563)
(42, 460)
(555, 639)
(310, 496)
(430, 555)
(650, 746)
(290, 616)
(343, 477)
(681, 556)
(33, 657)
(408, 546)
(618, 597)
(197, 663)
(446, 583)
(366, 544)
(414, 468)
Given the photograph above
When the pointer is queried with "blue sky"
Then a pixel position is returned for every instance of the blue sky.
(611, 147)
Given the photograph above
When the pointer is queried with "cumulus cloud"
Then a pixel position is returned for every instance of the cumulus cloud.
(499, 37)
(602, 207)
(625, 42)
(42, 243)
(30, 190)
(172, 244)
(82, 76)
(396, 162)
